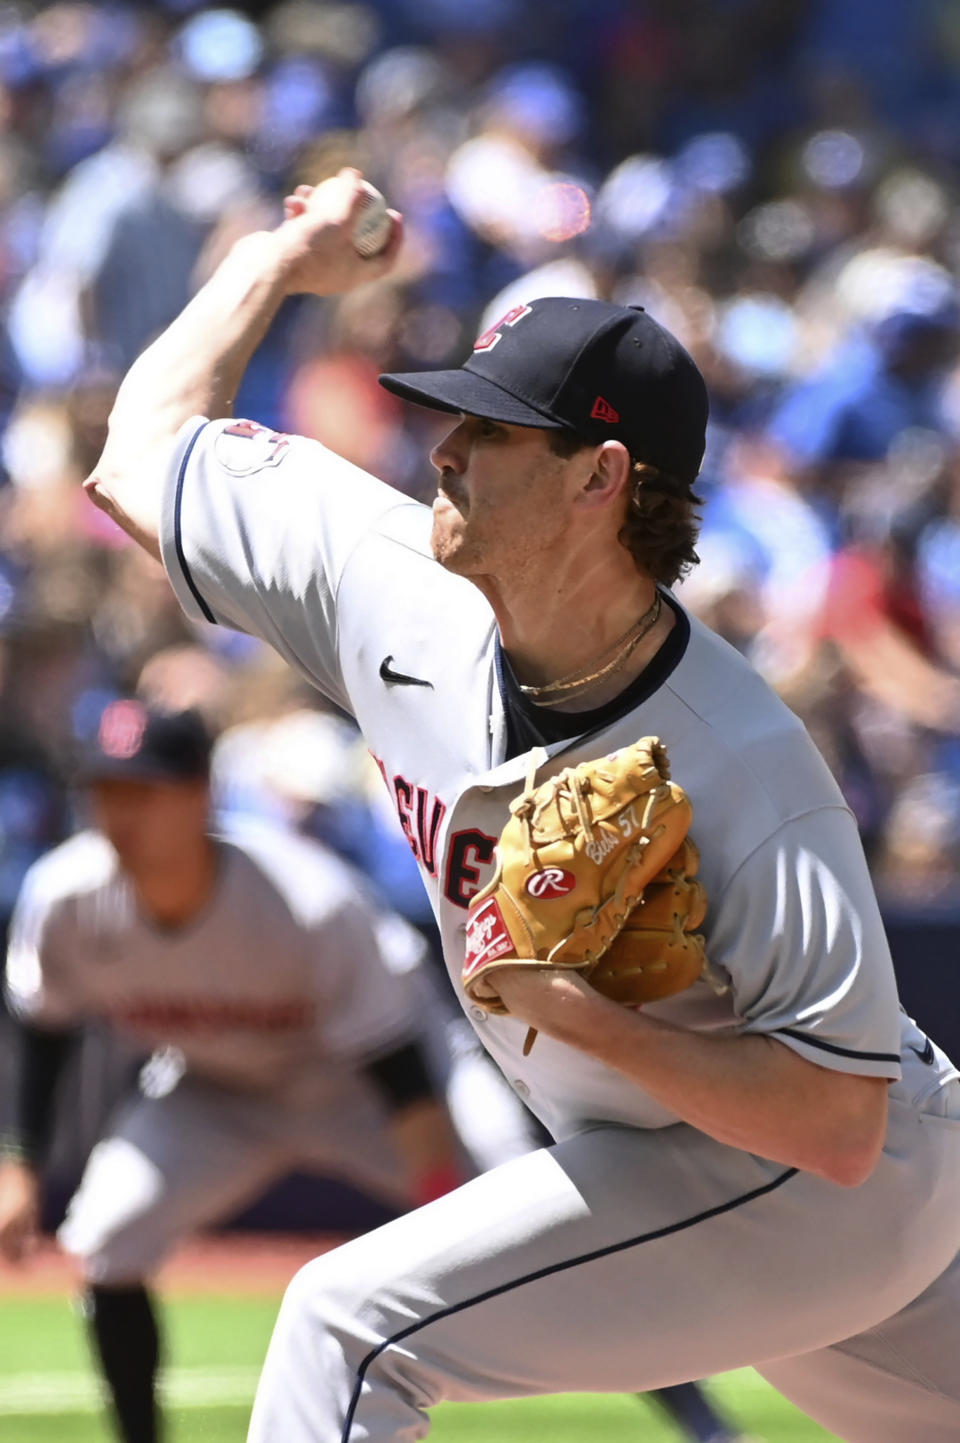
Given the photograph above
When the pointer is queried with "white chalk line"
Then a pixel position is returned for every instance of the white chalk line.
(73, 1392)
(80, 1392)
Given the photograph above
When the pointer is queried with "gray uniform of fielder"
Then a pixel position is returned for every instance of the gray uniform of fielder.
(274, 997)
(638, 1252)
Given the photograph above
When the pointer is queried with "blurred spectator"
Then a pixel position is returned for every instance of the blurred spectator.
(116, 248)
(885, 380)
(919, 859)
(188, 677)
(938, 571)
(310, 770)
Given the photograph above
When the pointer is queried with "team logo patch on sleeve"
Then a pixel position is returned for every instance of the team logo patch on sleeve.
(244, 447)
(487, 937)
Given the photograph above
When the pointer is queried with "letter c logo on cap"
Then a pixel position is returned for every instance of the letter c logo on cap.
(491, 335)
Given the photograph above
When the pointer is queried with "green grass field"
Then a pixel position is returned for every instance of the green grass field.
(215, 1344)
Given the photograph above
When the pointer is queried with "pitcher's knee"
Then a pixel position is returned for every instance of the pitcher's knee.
(344, 1298)
(327, 1289)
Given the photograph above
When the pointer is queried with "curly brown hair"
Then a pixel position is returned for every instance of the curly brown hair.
(662, 523)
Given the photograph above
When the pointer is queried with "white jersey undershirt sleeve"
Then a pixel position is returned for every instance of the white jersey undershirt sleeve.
(256, 530)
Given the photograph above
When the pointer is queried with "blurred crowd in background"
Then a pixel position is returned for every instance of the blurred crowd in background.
(776, 180)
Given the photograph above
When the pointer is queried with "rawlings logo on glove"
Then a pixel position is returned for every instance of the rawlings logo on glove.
(594, 872)
(487, 938)
(554, 882)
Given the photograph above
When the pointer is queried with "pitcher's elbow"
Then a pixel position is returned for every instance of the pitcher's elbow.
(853, 1168)
(855, 1153)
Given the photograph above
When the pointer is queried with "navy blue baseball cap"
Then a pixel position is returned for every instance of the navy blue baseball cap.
(141, 743)
(607, 372)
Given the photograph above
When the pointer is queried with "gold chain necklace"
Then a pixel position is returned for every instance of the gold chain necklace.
(626, 644)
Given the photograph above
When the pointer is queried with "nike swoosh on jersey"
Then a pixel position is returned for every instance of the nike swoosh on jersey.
(399, 678)
(926, 1055)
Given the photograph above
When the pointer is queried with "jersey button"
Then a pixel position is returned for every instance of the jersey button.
(521, 1088)
(478, 1014)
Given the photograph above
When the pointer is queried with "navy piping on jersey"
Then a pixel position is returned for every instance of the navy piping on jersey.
(840, 1051)
(177, 535)
(547, 1272)
(529, 725)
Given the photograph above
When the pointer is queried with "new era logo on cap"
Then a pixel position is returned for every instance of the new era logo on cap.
(602, 410)
(583, 365)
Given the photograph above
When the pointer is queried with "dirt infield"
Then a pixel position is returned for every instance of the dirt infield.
(236, 1262)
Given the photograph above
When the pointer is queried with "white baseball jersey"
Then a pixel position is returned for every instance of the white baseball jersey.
(280, 538)
(287, 974)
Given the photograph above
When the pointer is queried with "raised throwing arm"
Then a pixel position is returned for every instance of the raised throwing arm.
(195, 367)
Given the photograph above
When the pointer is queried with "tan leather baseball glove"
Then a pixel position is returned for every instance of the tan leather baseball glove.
(657, 953)
(574, 863)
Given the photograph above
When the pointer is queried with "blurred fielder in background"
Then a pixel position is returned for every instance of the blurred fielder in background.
(289, 1011)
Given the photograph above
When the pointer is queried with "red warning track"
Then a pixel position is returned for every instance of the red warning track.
(213, 1263)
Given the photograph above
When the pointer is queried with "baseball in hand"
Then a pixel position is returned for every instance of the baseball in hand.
(373, 226)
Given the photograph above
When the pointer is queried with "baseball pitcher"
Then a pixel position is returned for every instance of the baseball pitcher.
(757, 1154)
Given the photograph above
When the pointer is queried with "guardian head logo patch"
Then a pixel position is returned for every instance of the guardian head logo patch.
(244, 447)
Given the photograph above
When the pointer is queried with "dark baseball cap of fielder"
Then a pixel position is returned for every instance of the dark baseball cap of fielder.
(141, 743)
(603, 370)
